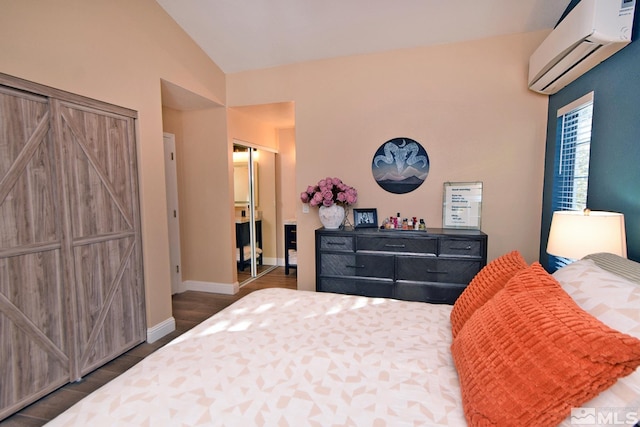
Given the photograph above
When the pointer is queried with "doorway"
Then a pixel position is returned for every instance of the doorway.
(270, 129)
(255, 210)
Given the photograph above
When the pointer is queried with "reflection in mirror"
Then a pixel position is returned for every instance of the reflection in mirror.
(255, 225)
(241, 186)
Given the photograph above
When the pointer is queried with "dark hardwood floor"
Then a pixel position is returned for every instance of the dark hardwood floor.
(246, 273)
(189, 309)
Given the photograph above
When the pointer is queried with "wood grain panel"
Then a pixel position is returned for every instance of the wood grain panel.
(27, 193)
(71, 284)
(108, 303)
(98, 154)
(53, 93)
(32, 339)
(33, 344)
(98, 173)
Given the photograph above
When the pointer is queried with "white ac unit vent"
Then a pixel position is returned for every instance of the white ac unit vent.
(593, 31)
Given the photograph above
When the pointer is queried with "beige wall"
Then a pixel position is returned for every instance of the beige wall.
(117, 51)
(286, 175)
(244, 127)
(466, 103)
(202, 169)
(206, 195)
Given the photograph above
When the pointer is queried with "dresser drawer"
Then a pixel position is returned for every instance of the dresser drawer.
(338, 243)
(432, 266)
(290, 235)
(441, 293)
(398, 244)
(461, 247)
(367, 288)
(423, 269)
(369, 265)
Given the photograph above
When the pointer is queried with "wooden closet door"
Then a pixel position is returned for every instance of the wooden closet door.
(33, 342)
(102, 222)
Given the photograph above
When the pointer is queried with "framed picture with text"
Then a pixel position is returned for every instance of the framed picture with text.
(462, 205)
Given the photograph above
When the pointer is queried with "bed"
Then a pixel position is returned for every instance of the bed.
(280, 357)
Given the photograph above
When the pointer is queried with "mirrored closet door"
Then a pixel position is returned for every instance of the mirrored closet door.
(255, 210)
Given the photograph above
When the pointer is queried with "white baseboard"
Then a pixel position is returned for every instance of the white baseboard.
(270, 261)
(163, 328)
(214, 288)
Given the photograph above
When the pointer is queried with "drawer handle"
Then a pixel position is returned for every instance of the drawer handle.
(336, 243)
(388, 245)
(466, 248)
(437, 271)
(354, 266)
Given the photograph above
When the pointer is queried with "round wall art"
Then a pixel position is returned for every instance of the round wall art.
(400, 165)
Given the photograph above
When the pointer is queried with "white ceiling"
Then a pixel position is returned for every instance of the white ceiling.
(241, 35)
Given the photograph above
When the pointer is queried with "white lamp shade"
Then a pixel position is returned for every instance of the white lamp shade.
(575, 234)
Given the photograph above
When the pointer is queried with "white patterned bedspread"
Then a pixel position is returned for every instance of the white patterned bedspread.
(280, 357)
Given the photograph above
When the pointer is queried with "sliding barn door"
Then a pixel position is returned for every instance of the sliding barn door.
(71, 285)
(33, 342)
(102, 251)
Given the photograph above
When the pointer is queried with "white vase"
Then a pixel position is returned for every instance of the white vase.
(331, 216)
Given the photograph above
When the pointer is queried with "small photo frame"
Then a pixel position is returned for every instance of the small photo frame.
(365, 218)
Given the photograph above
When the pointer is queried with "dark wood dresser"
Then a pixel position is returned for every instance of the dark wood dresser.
(431, 266)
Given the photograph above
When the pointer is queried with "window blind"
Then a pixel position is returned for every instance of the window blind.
(571, 171)
(572, 160)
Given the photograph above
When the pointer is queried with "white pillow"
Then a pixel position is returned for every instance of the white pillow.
(615, 301)
(612, 299)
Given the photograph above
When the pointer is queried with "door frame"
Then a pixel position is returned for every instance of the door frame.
(251, 147)
(173, 211)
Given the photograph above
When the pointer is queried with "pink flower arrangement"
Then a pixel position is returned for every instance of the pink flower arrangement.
(329, 191)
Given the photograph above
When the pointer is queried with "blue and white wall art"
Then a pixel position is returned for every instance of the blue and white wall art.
(400, 165)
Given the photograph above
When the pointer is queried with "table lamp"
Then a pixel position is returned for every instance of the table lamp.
(575, 234)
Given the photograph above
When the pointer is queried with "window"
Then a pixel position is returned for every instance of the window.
(571, 169)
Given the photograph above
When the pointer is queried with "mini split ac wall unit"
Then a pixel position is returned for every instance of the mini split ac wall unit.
(591, 32)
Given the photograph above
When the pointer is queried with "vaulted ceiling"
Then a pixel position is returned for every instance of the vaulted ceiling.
(243, 35)
(254, 34)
